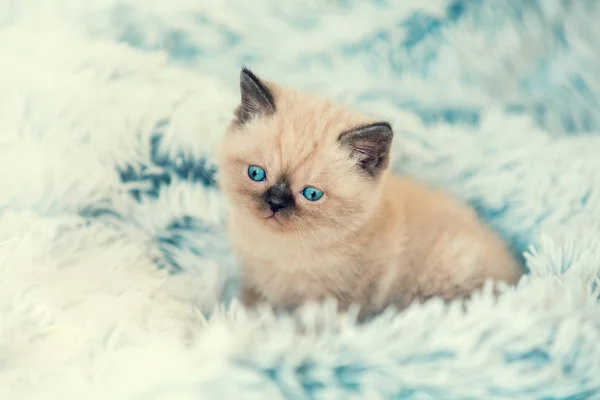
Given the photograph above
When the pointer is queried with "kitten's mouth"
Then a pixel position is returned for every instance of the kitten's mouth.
(275, 216)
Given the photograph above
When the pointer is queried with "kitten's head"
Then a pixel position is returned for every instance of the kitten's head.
(295, 163)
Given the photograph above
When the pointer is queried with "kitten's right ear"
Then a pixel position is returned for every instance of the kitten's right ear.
(257, 98)
(369, 145)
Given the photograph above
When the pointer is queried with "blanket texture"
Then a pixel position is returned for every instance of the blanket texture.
(116, 279)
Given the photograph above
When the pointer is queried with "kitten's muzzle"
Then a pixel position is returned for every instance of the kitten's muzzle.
(276, 205)
(279, 196)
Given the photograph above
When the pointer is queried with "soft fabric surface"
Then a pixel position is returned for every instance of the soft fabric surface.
(112, 228)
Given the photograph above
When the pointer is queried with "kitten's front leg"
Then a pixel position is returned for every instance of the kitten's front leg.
(250, 296)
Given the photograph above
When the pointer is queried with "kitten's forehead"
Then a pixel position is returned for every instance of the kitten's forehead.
(313, 116)
(308, 124)
(301, 138)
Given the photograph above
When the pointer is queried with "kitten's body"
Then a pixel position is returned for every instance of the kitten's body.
(374, 238)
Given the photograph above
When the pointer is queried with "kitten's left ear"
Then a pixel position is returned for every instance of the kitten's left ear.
(257, 99)
(369, 145)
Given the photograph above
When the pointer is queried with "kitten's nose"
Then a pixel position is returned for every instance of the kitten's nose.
(276, 204)
(279, 196)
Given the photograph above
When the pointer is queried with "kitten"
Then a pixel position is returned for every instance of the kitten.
(316, 213)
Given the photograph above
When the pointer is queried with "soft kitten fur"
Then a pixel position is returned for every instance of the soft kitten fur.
(374, 238)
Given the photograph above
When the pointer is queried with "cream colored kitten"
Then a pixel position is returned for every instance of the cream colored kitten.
(315, 211)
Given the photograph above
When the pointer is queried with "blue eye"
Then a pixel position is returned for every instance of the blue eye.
(312, 193)
(256, 173)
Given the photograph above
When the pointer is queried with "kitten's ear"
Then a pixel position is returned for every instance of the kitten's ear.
(257, 99)
(369, 145)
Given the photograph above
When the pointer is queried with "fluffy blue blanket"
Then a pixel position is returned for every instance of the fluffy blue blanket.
(113, 249)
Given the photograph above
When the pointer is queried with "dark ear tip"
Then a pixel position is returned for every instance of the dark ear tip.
(385, 125)
(256, 96)
(245, 72)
